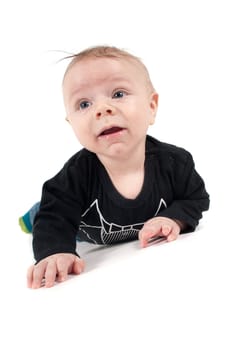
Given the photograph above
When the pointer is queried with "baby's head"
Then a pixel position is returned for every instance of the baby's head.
(108, 97)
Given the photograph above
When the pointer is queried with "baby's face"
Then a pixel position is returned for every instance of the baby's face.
(109, 105)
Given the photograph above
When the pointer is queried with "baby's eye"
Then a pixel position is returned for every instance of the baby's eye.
(119, 94)
(84, 104)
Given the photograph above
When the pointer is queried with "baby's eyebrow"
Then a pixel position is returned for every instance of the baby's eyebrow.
(116, 79)
(112, 79)
(79, 89)
(119, 78)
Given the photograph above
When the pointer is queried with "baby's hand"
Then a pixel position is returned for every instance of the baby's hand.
(159, 227)
(55, 267)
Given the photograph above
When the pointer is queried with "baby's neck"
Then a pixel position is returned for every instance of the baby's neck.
(127, 175)
(129, 185)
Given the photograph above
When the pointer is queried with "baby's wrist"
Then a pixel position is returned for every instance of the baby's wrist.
(181, 224)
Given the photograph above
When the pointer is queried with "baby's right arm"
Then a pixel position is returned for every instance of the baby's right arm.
(53, 268)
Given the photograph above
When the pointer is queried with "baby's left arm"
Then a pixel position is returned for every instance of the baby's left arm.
(190, 197)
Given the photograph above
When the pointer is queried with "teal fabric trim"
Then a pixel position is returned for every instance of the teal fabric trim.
(27, 222)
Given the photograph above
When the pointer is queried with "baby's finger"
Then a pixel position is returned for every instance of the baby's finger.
(173, 234)
(38, 274)
(78, 266)
(166, 230)
(50, 274)
(30, 276)
(146, 234)
(171, 237)
(63, 265)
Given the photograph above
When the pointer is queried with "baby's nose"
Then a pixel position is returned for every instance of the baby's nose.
(104, 112)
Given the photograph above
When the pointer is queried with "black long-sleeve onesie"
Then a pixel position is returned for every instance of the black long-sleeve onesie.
(81, 201)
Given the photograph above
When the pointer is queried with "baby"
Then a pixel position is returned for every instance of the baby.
(123, 185)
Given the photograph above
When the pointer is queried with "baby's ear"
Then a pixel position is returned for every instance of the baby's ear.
(153, 106)
(154, 101)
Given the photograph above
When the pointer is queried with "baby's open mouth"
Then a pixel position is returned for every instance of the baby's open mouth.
(112, 130)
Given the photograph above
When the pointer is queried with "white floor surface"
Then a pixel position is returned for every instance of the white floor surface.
(168, 296)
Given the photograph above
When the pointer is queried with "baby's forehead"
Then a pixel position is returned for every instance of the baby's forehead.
(91, 62)
(114, 67)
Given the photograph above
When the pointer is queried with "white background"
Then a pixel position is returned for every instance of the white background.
(164, 297)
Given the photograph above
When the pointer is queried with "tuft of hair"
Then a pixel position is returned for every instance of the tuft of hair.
(108, 52)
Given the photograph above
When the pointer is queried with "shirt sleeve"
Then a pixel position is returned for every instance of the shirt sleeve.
(56, 224)
(190, 196)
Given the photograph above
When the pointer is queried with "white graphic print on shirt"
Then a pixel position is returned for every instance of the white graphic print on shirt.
(110, 232)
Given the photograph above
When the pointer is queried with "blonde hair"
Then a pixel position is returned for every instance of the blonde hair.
(108, 52)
